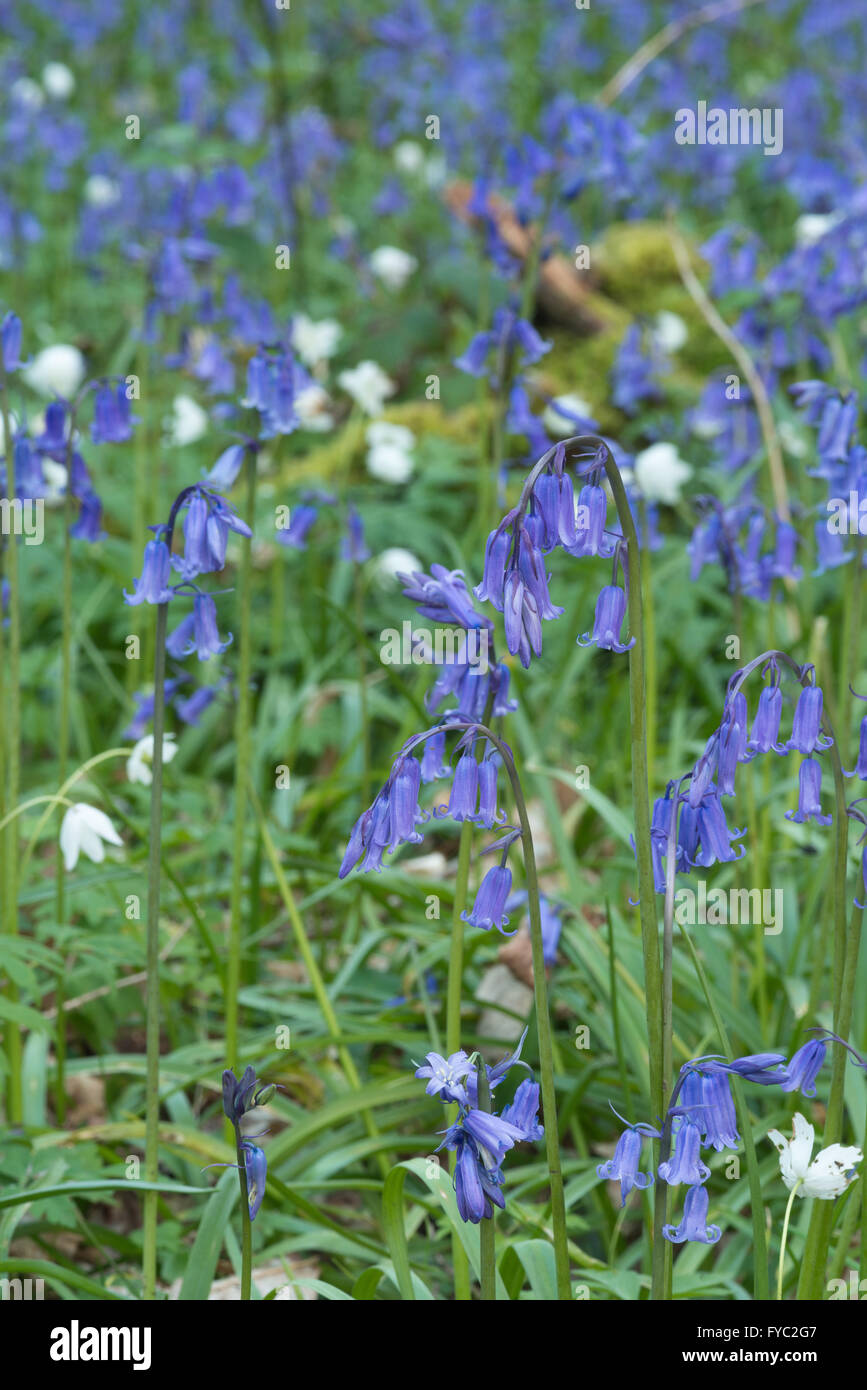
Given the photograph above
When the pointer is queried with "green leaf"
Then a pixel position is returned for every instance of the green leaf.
(67, 1189)
(209, 1239)
(392, 1220)
(537, 1257)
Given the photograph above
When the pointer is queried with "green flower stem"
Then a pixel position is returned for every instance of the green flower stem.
(12, 721)
(62, 760)
(454, 992)
(460, 1263)
(650, 652)
(852, 597)
(783, 1239)
(760, 1242)
(361, 653)
(657, 985)
(811, 1284)
(543, 1024)
(584, 447)
(487, 1229)
(152, 988)
(313, 972)
(862, 1256)
(242, 770)
(246, 1223)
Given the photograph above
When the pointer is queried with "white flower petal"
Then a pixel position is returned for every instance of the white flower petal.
(827, 1175)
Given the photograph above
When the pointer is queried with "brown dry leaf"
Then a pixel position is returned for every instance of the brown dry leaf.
(86, 1091)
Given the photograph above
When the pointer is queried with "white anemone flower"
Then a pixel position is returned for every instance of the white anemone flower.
(100, 191)
(670, 331)
(392, 266)
(408, 156)
(368, 386)
(313, 408)
(389, 455)
(56, 371)
(141, 759)
(86, 829)
(315, 340)
(58, 81)
(660, 473)
(189, 422)
(830, 1172)
(393, 562)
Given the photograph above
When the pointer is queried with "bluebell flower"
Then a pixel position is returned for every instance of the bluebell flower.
(10, 342)
(353, 545)
(624, 1166)
(531, 565)
(488, 814)
(608, 620)
(463, 798)
(389, 821)
(762, 1068)
(445, 1076)
(860, 768)
(591, 515)
(493, 1134)
(701, 780)
(511, 341)
(783, 563)
(766, 725)
(221, 520)
(685, 1165)
(522, 622)
(205, 639)
(694, 1225)
(443, 596)
(144, 711)
(256, 1167)
(480, 1138)
(295, 534)
(707, 1099)
(178, 641)
(112, 419)
(523, 1112)
(836, 428)
(806, 733)
(242, 1095)
(88, 526)
(809, 795)
(634, 373)
(433, 763)
(715, 838)
(225, 471)
(477, 1187)
(831, 549)
(554, 502)
(198, 558)
(405, 813)
(193, 707)
(488, 910)
(153, 586)
(804, 1067)
(271, 387)
(239, 1098)
(29, 477)
(497, 547)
